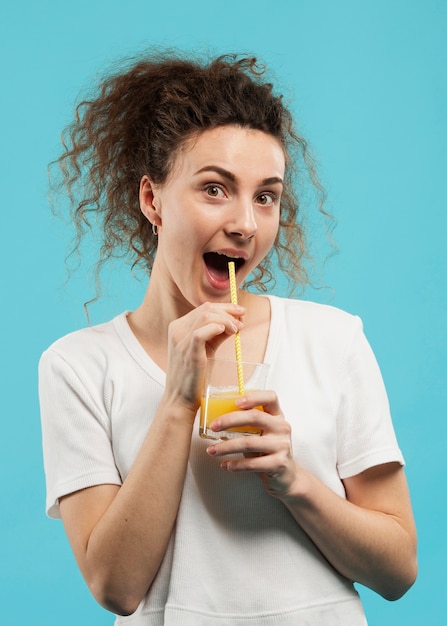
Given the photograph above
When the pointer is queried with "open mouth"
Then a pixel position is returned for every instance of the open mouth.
(217, 264)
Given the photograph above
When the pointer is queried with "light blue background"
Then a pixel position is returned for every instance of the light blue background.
(369, 86)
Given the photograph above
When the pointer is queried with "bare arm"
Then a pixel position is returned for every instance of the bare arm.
(119, 535)
(369, 537)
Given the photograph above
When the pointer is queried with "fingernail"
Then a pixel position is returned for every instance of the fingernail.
(211, 450)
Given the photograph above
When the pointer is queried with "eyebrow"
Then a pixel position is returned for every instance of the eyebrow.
(231, 177)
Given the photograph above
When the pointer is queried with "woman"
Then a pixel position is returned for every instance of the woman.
(191, 165)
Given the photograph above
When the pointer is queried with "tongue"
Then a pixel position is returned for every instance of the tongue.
(217, 273)
(217, 266)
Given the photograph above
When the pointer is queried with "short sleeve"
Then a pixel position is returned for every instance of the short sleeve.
(76, 432)
(365, 433)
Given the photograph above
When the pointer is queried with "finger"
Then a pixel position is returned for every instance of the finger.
(271, 465)
(255, 418)
(209, 337)
(193, 336)
(209, 312)
(265, 398)
(250, 445)
(236, 311)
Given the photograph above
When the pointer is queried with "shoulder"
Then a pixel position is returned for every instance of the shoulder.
(90, 344)
(323, 333)
(315, 318)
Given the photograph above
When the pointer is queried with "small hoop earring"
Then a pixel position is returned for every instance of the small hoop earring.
(155, 229)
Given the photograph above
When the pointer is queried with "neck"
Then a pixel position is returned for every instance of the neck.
(150, 321)
(162, 305)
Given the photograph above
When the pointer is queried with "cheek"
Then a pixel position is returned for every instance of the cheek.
(182, 234)
(269, 231)
(265, 245)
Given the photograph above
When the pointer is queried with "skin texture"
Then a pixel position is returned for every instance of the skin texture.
(223, 195)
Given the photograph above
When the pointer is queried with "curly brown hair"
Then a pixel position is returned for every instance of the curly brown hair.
(135, 123)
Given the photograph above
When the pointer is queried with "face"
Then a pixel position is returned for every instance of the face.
(221, 202)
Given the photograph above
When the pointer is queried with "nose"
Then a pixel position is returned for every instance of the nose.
(242, 223)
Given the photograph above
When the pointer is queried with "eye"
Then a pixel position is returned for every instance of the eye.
(214, 191)
(266, 199)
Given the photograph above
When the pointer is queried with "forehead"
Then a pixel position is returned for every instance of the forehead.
(231, 147)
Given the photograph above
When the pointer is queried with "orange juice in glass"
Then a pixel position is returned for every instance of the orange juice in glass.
(222, 390)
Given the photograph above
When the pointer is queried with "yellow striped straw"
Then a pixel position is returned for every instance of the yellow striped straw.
(237, 337)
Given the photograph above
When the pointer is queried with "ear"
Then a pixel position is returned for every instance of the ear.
(149, 202)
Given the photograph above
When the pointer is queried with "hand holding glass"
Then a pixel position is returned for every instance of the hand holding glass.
(221, 392)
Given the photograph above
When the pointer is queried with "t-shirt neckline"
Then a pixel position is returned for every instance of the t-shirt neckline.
(145, 361)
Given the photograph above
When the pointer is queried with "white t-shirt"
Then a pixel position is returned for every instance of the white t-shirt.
(236, 556)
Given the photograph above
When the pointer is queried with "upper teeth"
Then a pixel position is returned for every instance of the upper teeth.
(230, 257)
